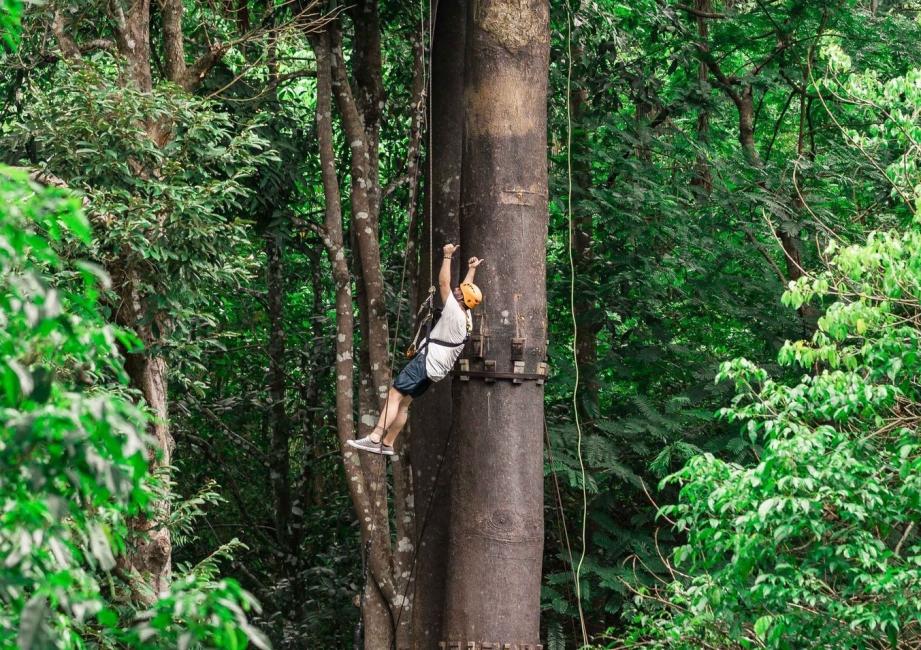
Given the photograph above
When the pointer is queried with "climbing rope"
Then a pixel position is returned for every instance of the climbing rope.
(560, 512)
(427, 86)
(572, 311)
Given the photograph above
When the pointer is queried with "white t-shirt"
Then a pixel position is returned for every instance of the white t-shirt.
(453, 326)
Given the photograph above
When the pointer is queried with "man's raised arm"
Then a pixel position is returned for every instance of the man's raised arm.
(472, 263)
(444, 274)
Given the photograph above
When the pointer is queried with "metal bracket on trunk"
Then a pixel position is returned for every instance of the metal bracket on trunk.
(489, 366)
(518, 348)
(517, 369)
(490, 375)
(479, 345)
(542, 369)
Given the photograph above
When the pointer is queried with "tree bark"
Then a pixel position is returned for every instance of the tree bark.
(173, 46)
(494, 575)
(588, 321)
(367, 70)
(151, 555)
(365, 222)
(132, 35)
(703, 179)
(742, 95)
(430, 418)
(366, 479)
(278, 417)
(788, 243)
(149, 558)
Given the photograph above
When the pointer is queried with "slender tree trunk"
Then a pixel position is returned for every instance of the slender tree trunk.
(148, 559)
(365, 222)
(496, 545)
(360, 106)
(746, 109)
(703, 179)
(586, 307)
(789, 244)
(367, 70)
(278, 418)
(375, 611)
(151, 555)
(430, 418)
(742, 95)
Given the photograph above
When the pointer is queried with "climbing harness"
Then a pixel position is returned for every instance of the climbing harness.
(423, 337)
(426, 323)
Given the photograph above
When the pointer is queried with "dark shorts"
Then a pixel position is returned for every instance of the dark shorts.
(412, 380)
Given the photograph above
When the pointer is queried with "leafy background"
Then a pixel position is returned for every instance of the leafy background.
(788, 488)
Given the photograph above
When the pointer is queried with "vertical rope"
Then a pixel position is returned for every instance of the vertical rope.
(427, 85)
(572, 311)
(430, 116)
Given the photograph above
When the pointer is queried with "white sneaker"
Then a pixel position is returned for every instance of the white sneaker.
(366, 444)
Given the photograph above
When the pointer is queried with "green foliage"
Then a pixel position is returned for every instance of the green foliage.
(683, 273)
(184, 194)
(815, 545)
(196, 613)
(164, 174)
(10, 16)
(74, 454)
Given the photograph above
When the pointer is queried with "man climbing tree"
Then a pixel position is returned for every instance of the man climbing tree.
(433, 360)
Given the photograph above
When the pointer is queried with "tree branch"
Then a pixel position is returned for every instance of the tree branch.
(69, 48)
(700, 14)
(197, 72)
(726, 83)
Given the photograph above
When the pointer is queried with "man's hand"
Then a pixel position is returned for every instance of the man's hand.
(474, 262)
(449, 249)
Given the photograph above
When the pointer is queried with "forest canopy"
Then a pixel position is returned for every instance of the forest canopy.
(686, 411)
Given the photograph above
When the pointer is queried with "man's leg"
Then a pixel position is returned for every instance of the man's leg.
(394, 429)
(390, 411)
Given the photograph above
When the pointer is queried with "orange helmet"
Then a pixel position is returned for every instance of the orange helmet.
(472, 294)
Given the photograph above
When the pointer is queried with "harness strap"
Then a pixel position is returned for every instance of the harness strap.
(444, 344)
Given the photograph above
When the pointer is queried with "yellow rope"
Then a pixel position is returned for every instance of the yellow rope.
(572, 311)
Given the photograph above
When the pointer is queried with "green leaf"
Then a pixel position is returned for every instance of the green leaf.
(762, 626)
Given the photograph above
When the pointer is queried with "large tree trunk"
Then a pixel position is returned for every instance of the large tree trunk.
(496, 545)
(430, 418)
